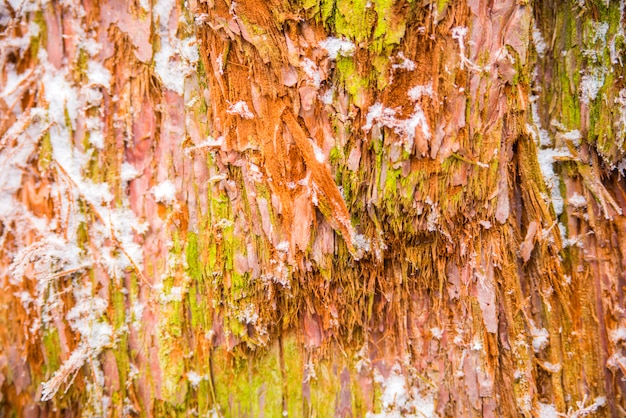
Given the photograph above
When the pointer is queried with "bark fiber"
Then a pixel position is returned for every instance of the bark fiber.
(312, 208)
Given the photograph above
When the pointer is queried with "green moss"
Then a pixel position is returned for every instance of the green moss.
(171, 356)
(350, 182)
(259, 37)
(390, 28)
(250, 381)
(82, 62)
(336, 156)
(327, 9)
(260, 382)
(354, 83)
(119, 308)
(197, 297)
(391, 183)
(325, 389)
(198, 307)
(51, 345)
(602, 112)
(309, 4)
(123, 363)
(294, 375)
(193, 257)
(45, 153)
(371, 25)
(410, 183)
(42, 37)
(354, 19)
(381, 65)
(172, 347)
(442, 6)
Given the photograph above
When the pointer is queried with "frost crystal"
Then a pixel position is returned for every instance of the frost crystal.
(98, 75)
(283, 247)
(554, 368)
(319, 154)
(540, 337)
(546, 159)
(400, 400)
(459, 33)
(338, 47)
(175, 61)
(418, 91)
(86, 319)
(538, 41)
(620, 101)
(404, 64)
(578, 201)
(436, 332)
(195, 379)
(165, 192)
(547, 411)
(162, 10)
(618, 335)
(312, 72)
(405, 128)
(240, 108)
(590, 85)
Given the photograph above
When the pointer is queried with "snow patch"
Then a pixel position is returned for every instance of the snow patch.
(327, 97)
(537, 129)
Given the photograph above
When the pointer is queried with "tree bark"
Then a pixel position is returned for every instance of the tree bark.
(312, 208)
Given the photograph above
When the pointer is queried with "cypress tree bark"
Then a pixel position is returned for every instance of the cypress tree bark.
(309, 208)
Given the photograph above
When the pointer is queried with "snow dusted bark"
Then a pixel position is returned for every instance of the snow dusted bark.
(312, 208)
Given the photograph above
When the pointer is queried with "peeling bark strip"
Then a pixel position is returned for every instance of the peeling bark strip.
(312, 208)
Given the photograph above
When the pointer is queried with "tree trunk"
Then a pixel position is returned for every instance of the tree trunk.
(312, 208)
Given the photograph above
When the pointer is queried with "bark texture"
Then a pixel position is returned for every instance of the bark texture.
(312, 208)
